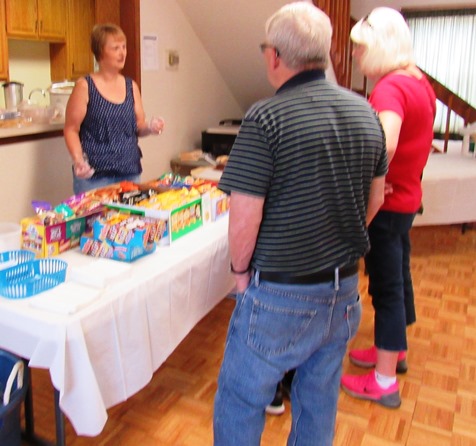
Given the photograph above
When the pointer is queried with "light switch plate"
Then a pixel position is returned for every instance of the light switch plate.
(172, 59)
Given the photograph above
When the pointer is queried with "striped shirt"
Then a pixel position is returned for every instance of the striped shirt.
(108, 134)
(312, 151)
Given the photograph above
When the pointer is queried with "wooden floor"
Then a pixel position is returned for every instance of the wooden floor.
(438, 392)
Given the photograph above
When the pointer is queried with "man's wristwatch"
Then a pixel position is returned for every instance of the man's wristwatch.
(234, 271)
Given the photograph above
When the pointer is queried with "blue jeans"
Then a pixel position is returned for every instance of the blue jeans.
(390, 280)
(275, 328)
(80, 185)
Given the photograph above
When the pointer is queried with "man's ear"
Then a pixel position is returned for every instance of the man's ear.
(276, 59)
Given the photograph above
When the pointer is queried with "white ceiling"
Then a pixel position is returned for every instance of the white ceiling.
(231, 32)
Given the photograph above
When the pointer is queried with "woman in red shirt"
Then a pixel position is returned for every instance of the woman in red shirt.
(405, 103)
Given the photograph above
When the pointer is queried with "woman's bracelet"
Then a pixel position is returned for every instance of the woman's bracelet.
(234, 271)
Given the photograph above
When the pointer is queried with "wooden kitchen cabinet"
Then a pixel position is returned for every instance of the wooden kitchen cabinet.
(74, 58)
(3, 44)
(36, 19)
(80, 58)
(108, 11)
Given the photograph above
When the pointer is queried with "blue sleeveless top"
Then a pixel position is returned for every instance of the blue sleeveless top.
(108, 134)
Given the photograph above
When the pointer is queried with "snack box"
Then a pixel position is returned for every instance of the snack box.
(122, 236)
(179, 221)
(104, 249)
(51, 240)
(215, 204)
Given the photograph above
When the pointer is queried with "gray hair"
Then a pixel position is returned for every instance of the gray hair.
(387, 40)
(302, 34)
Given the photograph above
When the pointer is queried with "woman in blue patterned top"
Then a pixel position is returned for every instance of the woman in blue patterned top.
(105, 117)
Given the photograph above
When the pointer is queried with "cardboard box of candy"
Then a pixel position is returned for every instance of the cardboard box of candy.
(179, 220)
(47, 240)
(175, 202)
(215, 204)
(183, 202)
(54, 230)
(123, 236)
(182, 219)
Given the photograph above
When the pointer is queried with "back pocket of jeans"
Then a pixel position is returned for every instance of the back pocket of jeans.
(274, 329)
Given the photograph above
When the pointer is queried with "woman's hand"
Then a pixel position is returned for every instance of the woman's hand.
(388, 188)
(156, 125)
(83, 170)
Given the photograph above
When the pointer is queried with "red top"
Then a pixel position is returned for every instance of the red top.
(415, 102)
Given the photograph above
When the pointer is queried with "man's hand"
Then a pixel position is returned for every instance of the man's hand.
(242, 281)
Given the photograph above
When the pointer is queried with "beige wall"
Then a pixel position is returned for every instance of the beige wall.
(190, 99)
(37, 170)
(29, 63)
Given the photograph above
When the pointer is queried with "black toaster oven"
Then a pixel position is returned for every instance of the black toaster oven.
(218, 141)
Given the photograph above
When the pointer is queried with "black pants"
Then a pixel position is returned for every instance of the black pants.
(390, 281)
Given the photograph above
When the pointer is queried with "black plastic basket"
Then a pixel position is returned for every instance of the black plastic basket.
(12, 395)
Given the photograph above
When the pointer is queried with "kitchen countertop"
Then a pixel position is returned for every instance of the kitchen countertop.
(29, 131)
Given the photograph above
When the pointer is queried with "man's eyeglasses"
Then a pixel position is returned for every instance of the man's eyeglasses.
(263, 47)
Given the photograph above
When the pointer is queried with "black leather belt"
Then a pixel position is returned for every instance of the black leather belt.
(328, 275)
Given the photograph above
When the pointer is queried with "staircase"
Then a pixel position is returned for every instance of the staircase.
(339, 13)
(454, 103)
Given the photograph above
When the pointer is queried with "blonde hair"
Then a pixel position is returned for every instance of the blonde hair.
(100, 34)
(387, 41)
(301, 33)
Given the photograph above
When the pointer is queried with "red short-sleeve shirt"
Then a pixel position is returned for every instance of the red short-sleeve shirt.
(415, 102)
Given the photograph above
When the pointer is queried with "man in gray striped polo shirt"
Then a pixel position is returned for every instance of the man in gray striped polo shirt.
(306, 176)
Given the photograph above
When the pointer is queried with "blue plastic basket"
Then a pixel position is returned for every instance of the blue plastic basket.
(10, 421)
(12, 258)
(30, 278)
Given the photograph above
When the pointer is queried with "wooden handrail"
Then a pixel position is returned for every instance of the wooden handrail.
(454, 103)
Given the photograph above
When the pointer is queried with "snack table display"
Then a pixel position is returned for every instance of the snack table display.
(105, 331)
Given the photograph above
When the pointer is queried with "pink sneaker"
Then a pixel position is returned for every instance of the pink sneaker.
(365, 387)
(368, 358)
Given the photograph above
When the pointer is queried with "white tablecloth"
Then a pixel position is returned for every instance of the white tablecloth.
(449, 186)
(449, 189)
(102, 350)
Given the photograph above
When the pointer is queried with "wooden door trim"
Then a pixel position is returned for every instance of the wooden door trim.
(130, 24)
